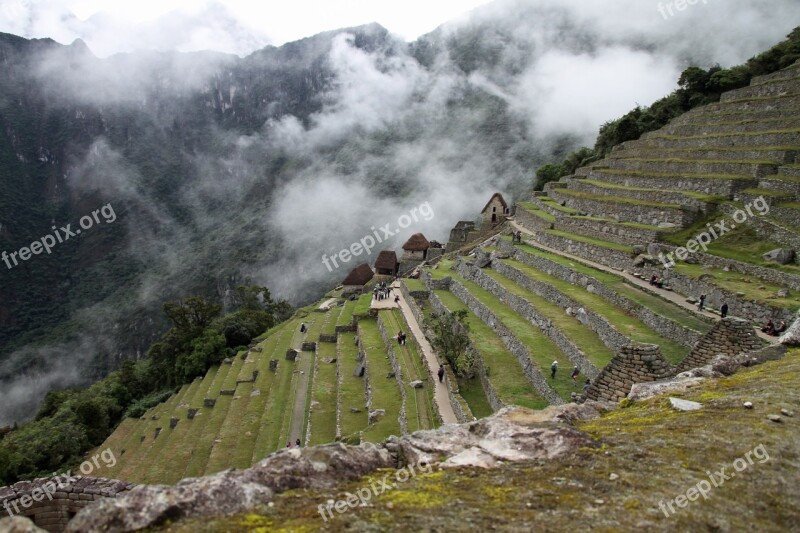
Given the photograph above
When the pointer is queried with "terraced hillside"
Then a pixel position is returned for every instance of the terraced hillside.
(697, 203)
(289, 385)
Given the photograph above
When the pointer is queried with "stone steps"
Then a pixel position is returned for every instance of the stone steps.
(755, 169)
(784, 155)
(775, 87)
(623, 209)
(715, 186)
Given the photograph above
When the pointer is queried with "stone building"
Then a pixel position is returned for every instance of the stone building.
(496, 210)
(416, 248)
(387, 264)
(358, 277)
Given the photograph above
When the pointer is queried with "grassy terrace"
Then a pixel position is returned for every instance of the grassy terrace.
(615, 199)
(345, 317)
(351, 388)
(752, 287)
(732, 134)
(363, 304)
(535, 211)
(419, 402)
(654, 303)
(616, 187)
(472, 392)
(629, 326)
(385, 391)
(668, 176)
(740, 244)
(225, 444)
(324, 392)
(542, 350)
(588, 240)
(503, 368)
(415, 285)
(555, 205)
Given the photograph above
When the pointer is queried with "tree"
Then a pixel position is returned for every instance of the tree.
(192, 315)
(451, 340)
(548, 173)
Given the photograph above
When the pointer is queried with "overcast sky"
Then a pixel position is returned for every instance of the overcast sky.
(235, 26)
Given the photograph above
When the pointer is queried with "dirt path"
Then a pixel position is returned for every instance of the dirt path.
(642, 284)
(440, 390)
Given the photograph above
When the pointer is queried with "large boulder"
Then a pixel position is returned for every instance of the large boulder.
(780, 255)
(792, 335)
(18, 524)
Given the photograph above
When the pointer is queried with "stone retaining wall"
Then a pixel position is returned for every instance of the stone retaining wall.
(658, 323)
(640, 363)
(647, 195)
(529, 312)
(731, 336)
(606, 231)
(531, 221)
(625, 212)
(52, 502)
(510, 341)
(598, 254)
(480, 369)
(721, 187)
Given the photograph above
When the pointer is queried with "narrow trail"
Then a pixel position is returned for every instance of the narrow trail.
(642, 284)
(303, 365)
(440, 389)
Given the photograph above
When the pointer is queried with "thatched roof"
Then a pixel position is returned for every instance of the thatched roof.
(496, 195)
(360, 275)
(387, 259)
(417, 243)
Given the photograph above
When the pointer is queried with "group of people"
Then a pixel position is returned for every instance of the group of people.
(576, 371)
(516, 237)
(381, 292)
(775, 330)
(296, 443)
(657, 281)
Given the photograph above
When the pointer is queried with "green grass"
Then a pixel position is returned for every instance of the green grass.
(595, 242)
(789, 205)
(222, 454)
(535, 211)
(542, 350)
(363, 305)
(555, 205)
(324, 392)
(629, 326)
(415, 285)
(346, 315)
(385, 391)
(654, 303)
(767, 192)
(615, 186)
(351, 388)
(505, 373)
(735, 282)
(472, 392)
(419, 402)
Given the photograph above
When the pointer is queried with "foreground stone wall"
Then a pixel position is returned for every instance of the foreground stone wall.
(731, 336)
(52, 502)
(633, 364)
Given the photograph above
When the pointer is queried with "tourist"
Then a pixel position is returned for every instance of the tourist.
(702, 302)
(654, 280)
(553, 370)
(402, 339)
(297, 443)
(723, 311)
(587, 385)
(303, 327)
(780, 329)
(768, 327)
(660, 283)
(399, 337)
(397, 299)
(440, 373)
(288, 444)
(575, 373)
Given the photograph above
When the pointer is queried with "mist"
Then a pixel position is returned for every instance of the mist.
(268, 193)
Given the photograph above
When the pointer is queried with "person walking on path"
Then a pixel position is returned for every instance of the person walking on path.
(553, 370)
(723, 311)
(441, 373)
(575, 372)
(702, 302)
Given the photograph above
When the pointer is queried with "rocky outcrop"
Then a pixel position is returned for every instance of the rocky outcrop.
(514, 434)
